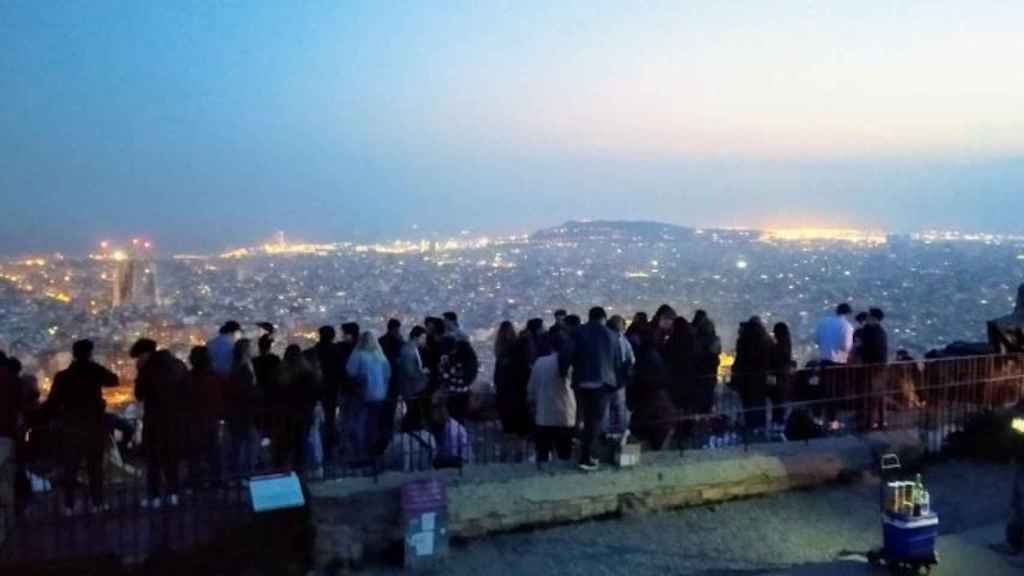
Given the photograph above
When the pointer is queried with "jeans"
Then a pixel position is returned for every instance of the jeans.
(616, 419)
(594, 405)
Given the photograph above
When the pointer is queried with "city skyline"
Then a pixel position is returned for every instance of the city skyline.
(208, 125)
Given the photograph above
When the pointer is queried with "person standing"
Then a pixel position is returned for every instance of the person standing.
(413, 381)
(459, 370)
(524, 354)
(329, 355)
(161, 383)
(77, 399)
(221, 348)
(595, 363)
(834, 336)
(554, 403)
(299, 384)
(369, 371)
(750, 372)
(781, 367)
(875, 355)
(391, 343)
(706, 361)
(241, 404)
(266, 366)
(617, 419)
(504, 346)
(653, 412)
(206, 397)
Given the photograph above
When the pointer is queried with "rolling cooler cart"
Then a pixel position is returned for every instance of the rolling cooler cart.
(908, 539)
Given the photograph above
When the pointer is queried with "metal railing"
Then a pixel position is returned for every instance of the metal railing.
(206, 464)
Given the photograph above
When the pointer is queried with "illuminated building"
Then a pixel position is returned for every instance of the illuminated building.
(135, 282)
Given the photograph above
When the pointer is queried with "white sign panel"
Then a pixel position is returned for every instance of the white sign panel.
(276, 492)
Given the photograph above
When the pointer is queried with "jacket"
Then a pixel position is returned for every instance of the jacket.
(412, 380)
(77, 392)
(162, 383)
(370, 373)
(596, 356)
(551, 395)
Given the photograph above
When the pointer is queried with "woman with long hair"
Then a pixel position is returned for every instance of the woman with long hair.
(781, 370)
(504, 346)
(369, 371)
(706, 360)
(750, 372)
(242, 403)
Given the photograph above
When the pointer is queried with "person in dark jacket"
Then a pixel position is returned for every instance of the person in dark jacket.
(750, 372)
(76, 399)
(875, 356)
(706, 360)
(332, 372)
(459, 370)
(653, 416)
(524, 354)
(679, 356)
(595, 361)
(636, 329)
(161, 384)
(414, 381)
(300, 390)
(241, 404)
(781, 373)
(504, 346)
(266, 366)
(661, 324)
(206, 403)
(391, 343)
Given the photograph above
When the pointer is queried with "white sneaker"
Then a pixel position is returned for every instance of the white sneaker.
(172, 500)
(69, 512)
(154, 503)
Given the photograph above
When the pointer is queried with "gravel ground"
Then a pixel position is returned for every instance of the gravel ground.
(809, 532)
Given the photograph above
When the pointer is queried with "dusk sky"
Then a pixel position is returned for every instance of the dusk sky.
(211, 124)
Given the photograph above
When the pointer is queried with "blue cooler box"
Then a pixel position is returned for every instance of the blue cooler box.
(910, 537)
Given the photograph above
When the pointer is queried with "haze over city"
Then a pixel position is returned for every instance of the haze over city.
(210, 125)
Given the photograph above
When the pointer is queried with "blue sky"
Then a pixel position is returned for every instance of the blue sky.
(208, 124)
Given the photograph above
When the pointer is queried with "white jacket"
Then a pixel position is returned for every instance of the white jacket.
(551, 395)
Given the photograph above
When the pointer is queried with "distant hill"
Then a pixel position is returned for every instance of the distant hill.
(574, 230)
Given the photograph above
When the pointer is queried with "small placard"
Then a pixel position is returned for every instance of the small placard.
(424, 496)
(276, 492)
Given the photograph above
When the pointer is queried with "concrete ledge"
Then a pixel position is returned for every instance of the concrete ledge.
(359, 518)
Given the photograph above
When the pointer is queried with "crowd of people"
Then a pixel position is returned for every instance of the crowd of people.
(367, 399)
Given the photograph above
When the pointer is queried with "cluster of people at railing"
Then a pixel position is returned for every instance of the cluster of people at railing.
(393, 399)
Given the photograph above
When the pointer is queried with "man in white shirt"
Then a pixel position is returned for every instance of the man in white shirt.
(834, 336)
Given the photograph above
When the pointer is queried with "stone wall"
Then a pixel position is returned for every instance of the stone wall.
(358, 519)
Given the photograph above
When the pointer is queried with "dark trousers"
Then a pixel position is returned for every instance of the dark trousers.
(287, 435)
(204, 449)
(458, 406)
(330, 429)
(161, 459)
(593, 403)
(89, 447)
(554, 439)
(777, 394)
(417, 414)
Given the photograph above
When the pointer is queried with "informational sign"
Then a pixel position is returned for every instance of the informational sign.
(276, 492)
(425, 510)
